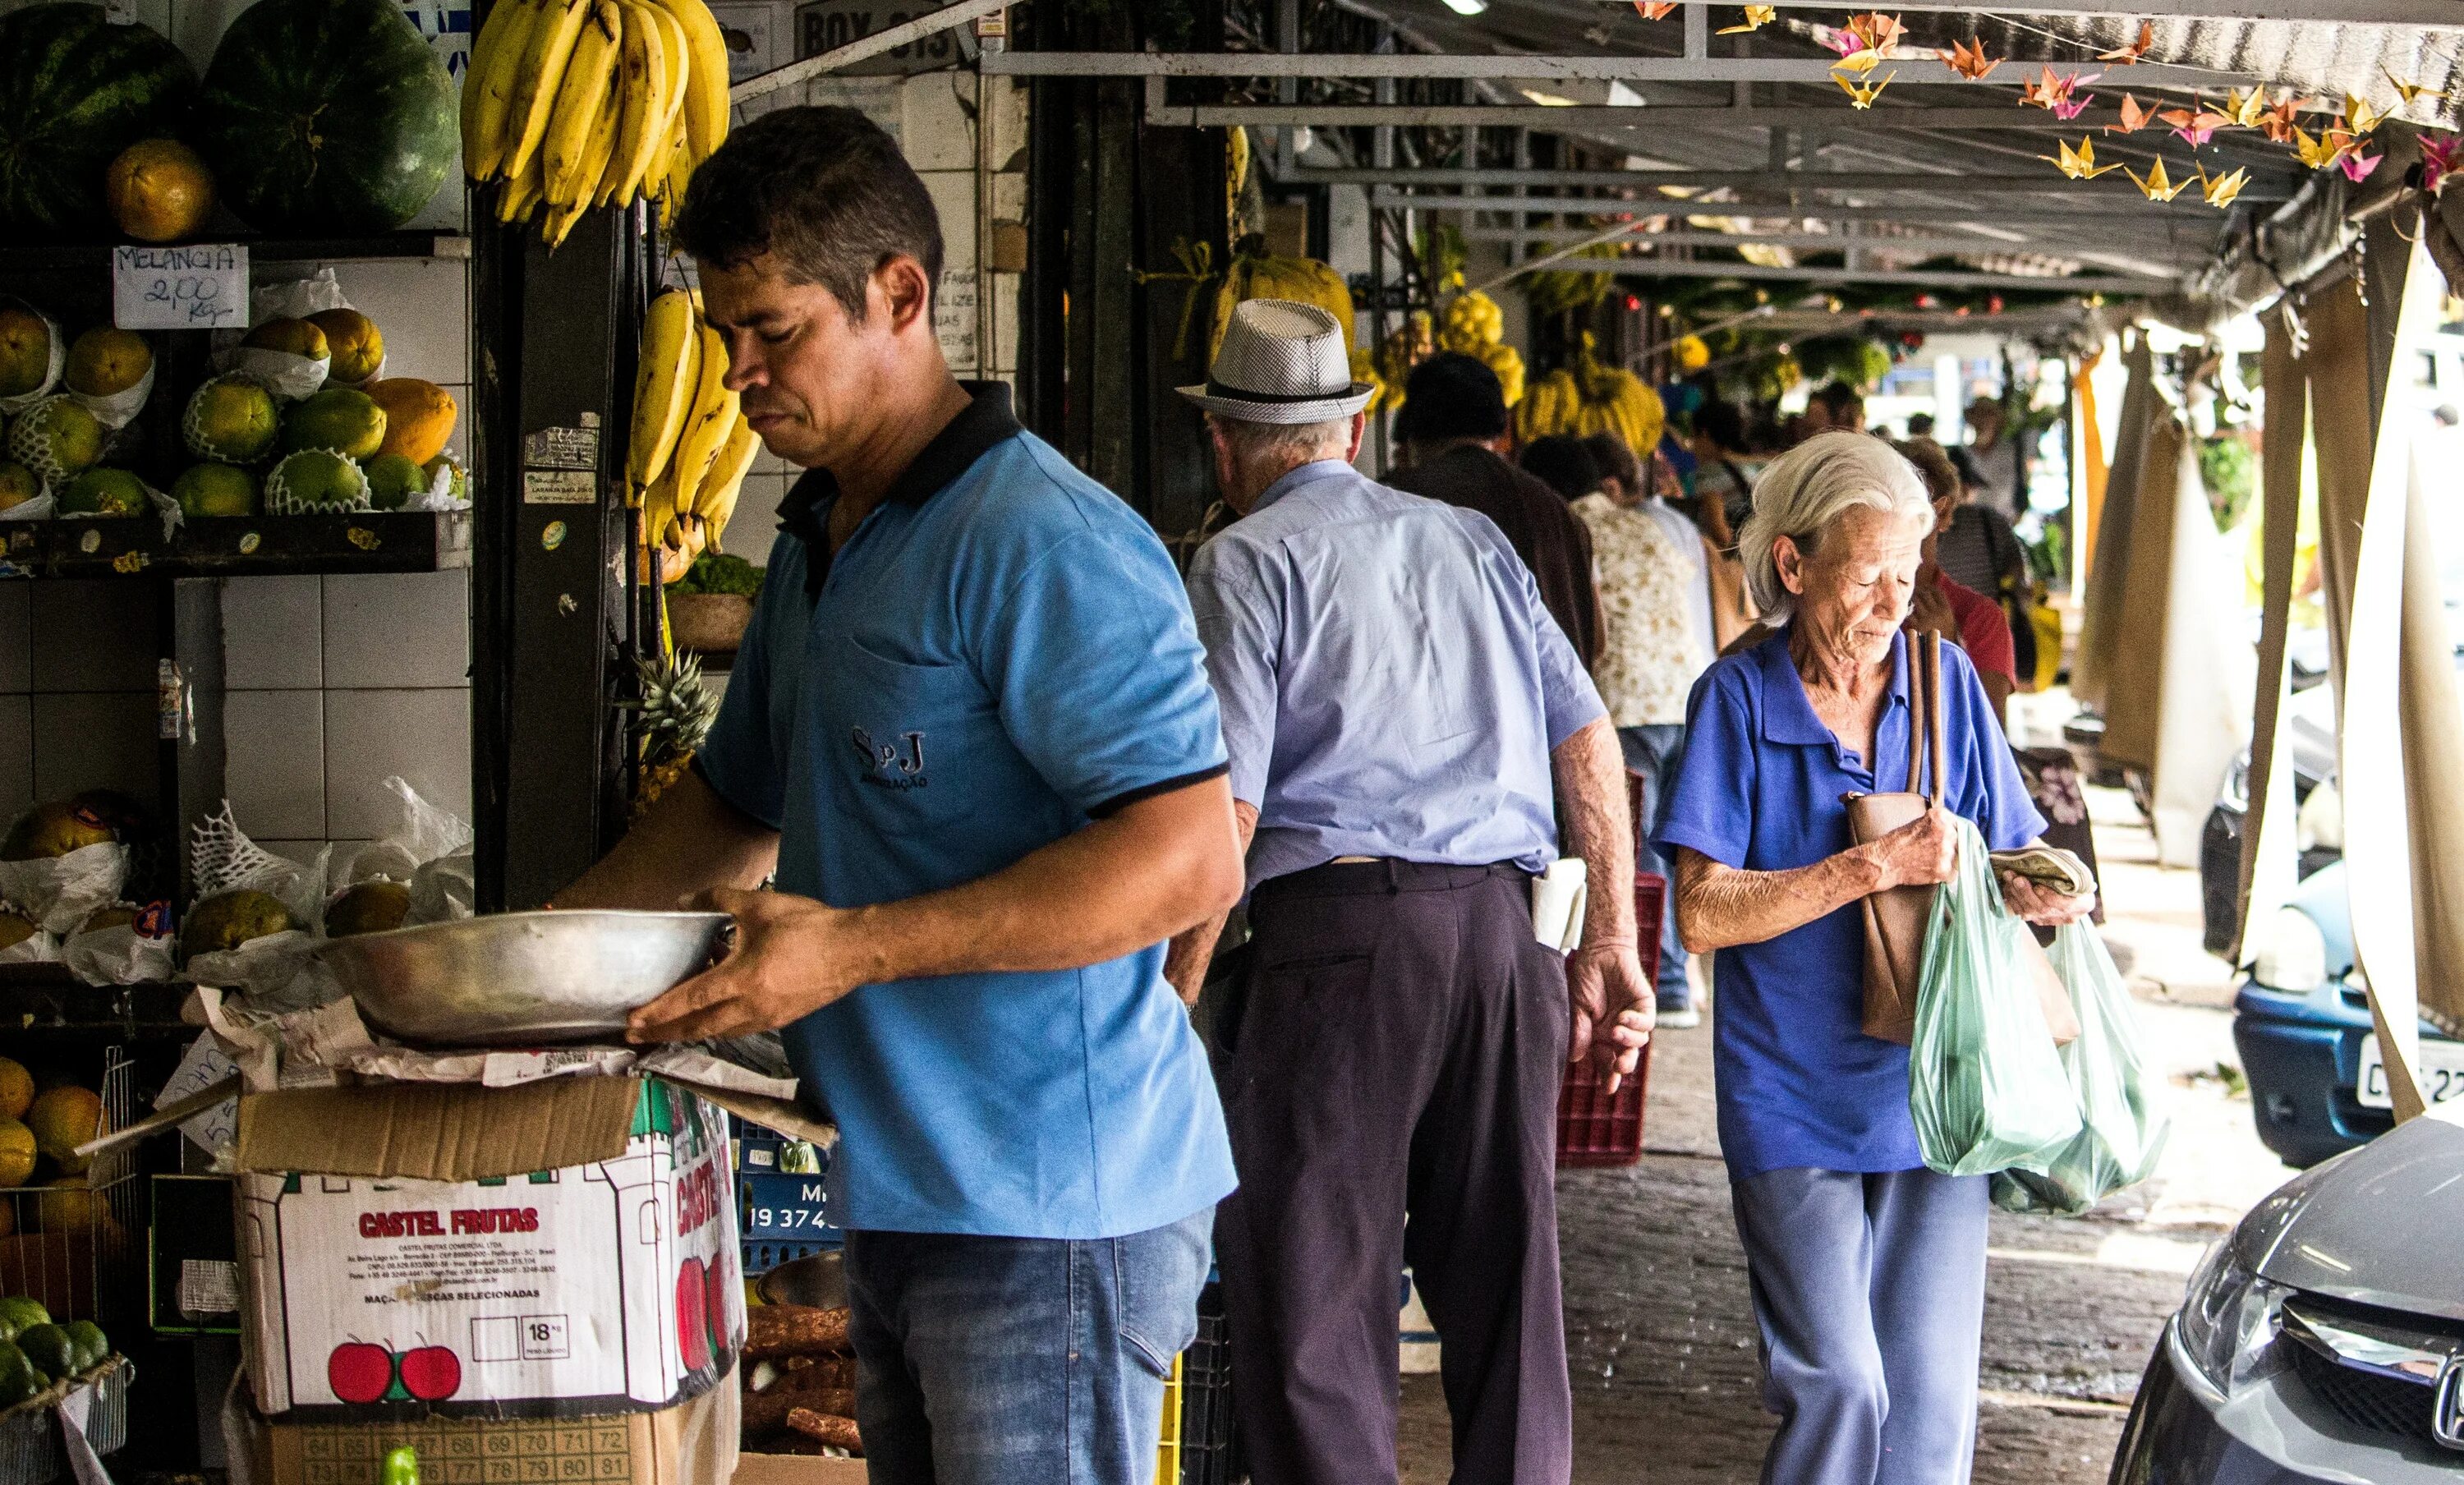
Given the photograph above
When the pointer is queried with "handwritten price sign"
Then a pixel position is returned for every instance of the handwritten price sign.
(193, 288)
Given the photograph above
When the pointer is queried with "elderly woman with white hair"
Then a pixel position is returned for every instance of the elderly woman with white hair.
(1868, 1270)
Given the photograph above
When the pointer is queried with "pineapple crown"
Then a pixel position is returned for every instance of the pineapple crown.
(676, 707)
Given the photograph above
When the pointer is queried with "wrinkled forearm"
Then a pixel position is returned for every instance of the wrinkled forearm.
(1720, 906)
(1590, 771)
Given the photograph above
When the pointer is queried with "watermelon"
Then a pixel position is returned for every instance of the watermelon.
(326, 117)
(74, 91)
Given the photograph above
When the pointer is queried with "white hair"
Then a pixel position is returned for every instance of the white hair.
(1298, 442)
(1803, 490)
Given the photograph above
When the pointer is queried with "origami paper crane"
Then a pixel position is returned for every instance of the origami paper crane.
(2135, 117)
(2195, 125)
(2280, 121)
(1863, 95)
(2128, 55)
(1757, 16)
(1654, 9)
(2156, 184)
(2439, 153)
(1969, 61)
(2356, 166)
(2221, 190)
(2058, 93)
(1876, 32)
(1858, 62)
(2408, 91)
(2079, 163)
(2247, 109)
(2361, 117)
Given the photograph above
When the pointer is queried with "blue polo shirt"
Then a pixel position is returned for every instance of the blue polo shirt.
(998, 654)
(1799, 1083)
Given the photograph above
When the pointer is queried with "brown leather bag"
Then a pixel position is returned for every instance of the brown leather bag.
(1896, 917)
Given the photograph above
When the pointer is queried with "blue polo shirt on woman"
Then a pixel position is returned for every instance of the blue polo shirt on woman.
(998, 654)
(1799, 1082)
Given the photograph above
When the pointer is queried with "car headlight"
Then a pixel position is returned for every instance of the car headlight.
(2293, 957)
(2228, 1318)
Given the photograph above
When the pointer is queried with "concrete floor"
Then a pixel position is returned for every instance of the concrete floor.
(1660, 1338)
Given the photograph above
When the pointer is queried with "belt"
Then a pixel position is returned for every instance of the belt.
(1356, 875)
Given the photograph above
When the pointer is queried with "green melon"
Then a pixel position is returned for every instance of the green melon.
(55, 438)
(74, 91)
(231, 418)
(327, 117)
(104, 492)
(316, 480)
(393, 479)
(216, 490)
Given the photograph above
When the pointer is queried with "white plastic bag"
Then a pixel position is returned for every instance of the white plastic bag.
(429, 849)
(60, 892)
(2121, 1129)
(135, 953)
(278, 971)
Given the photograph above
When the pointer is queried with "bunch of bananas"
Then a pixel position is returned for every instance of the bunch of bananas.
(1475, 326)
(1256, 274)
(580, 103)
(689, 445)
(1404, 347)
(1591, 398)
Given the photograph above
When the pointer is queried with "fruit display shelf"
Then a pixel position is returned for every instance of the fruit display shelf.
(236, 545)
(55, 257)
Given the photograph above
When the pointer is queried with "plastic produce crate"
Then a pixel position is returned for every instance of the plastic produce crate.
(1205, 1384)
(1594, 1129)
(783, 1214)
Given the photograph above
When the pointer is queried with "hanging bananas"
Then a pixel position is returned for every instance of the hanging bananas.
(1590, 397)
(574, 105)
(689, 447)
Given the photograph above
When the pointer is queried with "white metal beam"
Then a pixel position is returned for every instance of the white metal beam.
(2035, 182)
(1598, 116)
(1911, 277)
(1926, 70)
(2441, 14)
(2184, 212)
(1801, 241)
(889, 39)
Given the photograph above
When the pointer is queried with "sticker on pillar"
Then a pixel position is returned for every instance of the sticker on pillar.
(747, 31)
(953, 317)
(559, 487)
(552, 536)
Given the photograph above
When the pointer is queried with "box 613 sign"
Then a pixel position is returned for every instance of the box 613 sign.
(827, 25)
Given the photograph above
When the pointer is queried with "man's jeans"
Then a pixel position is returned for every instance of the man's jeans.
(1657, 750)
(1019, 1360)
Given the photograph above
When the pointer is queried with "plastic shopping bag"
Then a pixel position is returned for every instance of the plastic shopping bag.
(1986, 1085)
(2122, 1131)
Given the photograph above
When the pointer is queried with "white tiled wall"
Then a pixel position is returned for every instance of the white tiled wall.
(334, 683)
(77, 691)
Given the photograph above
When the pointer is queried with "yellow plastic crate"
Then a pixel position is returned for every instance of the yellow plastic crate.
(1167, 1455)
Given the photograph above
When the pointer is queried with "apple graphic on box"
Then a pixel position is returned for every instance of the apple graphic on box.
(431, 1373)
(714, 1282)
(693, 1339)
(359, 1373)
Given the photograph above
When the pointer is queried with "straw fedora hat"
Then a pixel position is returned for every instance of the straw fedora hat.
(1281, 361)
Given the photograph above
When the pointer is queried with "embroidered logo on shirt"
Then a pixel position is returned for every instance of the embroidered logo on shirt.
(888, 766)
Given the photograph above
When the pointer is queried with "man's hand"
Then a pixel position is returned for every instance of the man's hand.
(2040, 905)
(792, 956)
(1613, 1010)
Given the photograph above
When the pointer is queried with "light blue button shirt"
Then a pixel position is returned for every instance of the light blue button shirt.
(1390, 682)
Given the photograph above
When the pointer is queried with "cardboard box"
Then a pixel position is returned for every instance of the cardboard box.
(798, 1469)
(692, 1444)
(559, 1248)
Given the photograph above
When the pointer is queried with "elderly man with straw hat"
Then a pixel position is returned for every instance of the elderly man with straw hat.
(1402, 717)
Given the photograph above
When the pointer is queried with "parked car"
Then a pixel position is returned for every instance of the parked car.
(2323, 1340)
(2301, 1024)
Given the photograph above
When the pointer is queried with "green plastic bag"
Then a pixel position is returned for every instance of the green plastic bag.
(2122, 1132)
(1985, 1084)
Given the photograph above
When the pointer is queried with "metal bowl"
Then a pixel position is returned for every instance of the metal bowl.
(818, 1279)
(520, 979)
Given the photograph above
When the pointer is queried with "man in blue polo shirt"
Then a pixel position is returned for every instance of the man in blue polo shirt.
(971, 731)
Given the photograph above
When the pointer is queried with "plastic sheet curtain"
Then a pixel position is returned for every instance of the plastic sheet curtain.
(2402, 769)
(2269, 859)
(2100, 605)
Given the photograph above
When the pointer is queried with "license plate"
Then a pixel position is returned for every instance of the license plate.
(2442, 1072)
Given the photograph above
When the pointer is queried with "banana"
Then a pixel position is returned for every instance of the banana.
(706, 426)
(675, 174)
(659, 511)
(706, 100)
(545, 51)
(663, 389)
(520, 192)
(574, 127)
(697, 536)
(644, 85)
(679, 59)
(488, 86)
(725, 481)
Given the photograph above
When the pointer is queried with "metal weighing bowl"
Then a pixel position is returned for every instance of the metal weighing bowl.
(521, 979)
(819, 1280)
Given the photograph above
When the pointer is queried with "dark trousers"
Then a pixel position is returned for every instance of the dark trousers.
(1398, 1056)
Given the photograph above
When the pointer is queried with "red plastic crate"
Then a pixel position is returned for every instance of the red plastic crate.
(1597, 1129)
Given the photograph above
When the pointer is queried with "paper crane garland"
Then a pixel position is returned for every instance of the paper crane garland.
(2156, 184)
(1862, 95)
(1969, 61)
(2135, 117)
(1654, 9)
(2127, 56)
(2059, 95)
(1757, 16)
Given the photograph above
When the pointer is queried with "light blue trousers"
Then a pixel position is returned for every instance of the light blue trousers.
(1870, 1294)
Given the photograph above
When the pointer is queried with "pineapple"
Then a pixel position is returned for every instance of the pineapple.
(676, 713)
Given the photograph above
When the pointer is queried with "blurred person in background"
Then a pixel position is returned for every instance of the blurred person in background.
(1723, 498)
(1653, 489)
(1960, 613)
(1456, 434)
(1842, 405)
(1655, 639)
(1980, 550)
